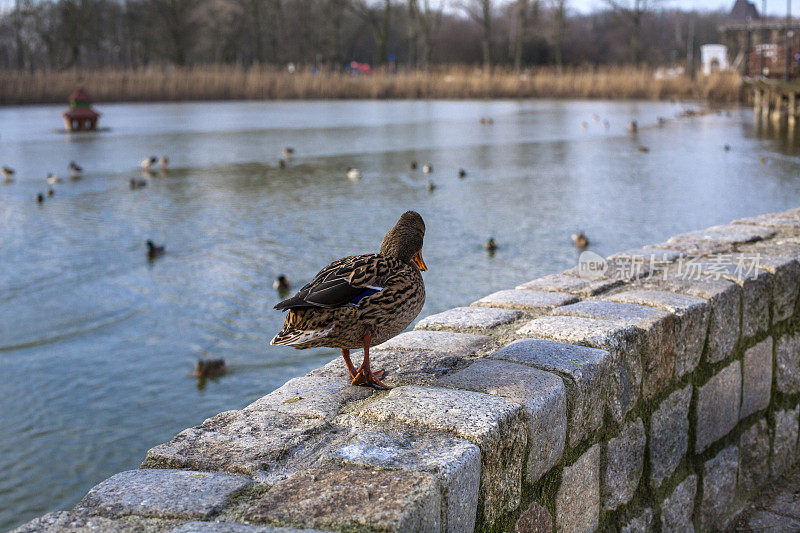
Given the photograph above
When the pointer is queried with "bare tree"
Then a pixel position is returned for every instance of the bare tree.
(480, 11)
(379, 21)
(634, 11)
(429, 21)
(525, 12)
(559, 10)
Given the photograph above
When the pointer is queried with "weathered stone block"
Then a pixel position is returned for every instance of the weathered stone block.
(495, 424)
(641, 523)
(716, 239)
(320, 397)
(624, 343)
(723, 296)
(68, 522)
(456, 463)
(787, 365)
(259, 443)
(414, 357)
(571, 284)
(525, 299)
(676, 510)
(669, 435)
(232, 527)
(578, 496)
(756, 290)
(691, 322)
(756, 378)
(584, 369)
(784, 445)
(350, 499)
(535, 519)
(468, 318)
(785, 278)
(754, 458)
(718, 406)
(771, 220)
(719, 488)
(658, 356)
(543, 399)
(625, 461)
(162, 494)
(638, 263)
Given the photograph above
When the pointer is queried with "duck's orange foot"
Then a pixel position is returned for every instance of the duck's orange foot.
(370, 379)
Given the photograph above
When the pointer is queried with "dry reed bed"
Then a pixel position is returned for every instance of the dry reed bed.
(260, 83)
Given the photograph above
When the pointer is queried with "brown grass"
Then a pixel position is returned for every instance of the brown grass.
(221, 82)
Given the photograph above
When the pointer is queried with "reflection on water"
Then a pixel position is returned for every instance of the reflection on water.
(97, 345)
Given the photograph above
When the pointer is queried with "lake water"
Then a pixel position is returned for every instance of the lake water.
(97, 345)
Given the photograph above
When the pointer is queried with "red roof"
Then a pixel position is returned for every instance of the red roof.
(80, 113)
(79, 95)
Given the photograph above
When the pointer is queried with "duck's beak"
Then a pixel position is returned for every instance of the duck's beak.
(417, 260)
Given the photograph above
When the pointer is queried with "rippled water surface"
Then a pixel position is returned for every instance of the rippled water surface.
(97, 345)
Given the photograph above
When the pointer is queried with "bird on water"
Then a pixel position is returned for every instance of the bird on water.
(153, 250)
(361, 300)
(580, 240)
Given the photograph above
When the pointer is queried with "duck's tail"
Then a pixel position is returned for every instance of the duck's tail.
(294, 335)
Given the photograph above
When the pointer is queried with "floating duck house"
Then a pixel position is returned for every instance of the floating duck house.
(80, 116)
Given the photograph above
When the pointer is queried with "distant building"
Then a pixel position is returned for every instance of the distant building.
(80, 116)
(714, 58)
(741, 11)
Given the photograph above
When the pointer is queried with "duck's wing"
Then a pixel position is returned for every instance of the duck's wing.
(343, 282)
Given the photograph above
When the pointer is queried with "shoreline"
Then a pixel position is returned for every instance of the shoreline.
(226, 83)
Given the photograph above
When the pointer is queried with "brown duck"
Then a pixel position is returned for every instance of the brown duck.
(361, 300)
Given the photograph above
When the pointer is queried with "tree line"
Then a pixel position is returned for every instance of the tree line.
(416, 34)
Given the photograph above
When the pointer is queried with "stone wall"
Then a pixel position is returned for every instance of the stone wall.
(659, 395)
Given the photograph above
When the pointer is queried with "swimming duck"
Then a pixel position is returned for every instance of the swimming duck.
(75, 170)
(642, 149)
(462, 173)
(137, 183)
(727, 147)
(580, 240)
(164, 163)
(361, 300)
(39, 198)
(147, 163)
(427, 168)
(154, 251)
(661, 121)
(412, 165)
(585, 125)
(288, 152)
(431, 186)
(763, 160)
(353, 174)
(282, 283)
(50, 192)
(490, 245)
(633, 127)
(52, 179)
(8, 174)
(209, 368)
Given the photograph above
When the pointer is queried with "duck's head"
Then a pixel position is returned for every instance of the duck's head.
(404, 240)
(150, 244)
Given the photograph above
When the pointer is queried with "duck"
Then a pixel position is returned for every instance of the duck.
(137, 183)
(763, 160)
(727, 147)
(462, 173)
(282, 163)
(585, 125)
(490, 245)
(288, 152)
(50, 192)
(209, 368)
(412, 165)
(52, 179)
(361, 301)
(39, 198)
(580, 240)
(154, 251)
(75, 170)
(633, 126)
(606, 124)
(427, 168)
(643, 149)
(661, 122)
(8, 174)
(147, 163)
(163, 163)
(353, 174)
(281, 283)
(431, 186)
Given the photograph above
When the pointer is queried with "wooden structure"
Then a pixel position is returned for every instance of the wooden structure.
(80, 116)
(776, 101)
